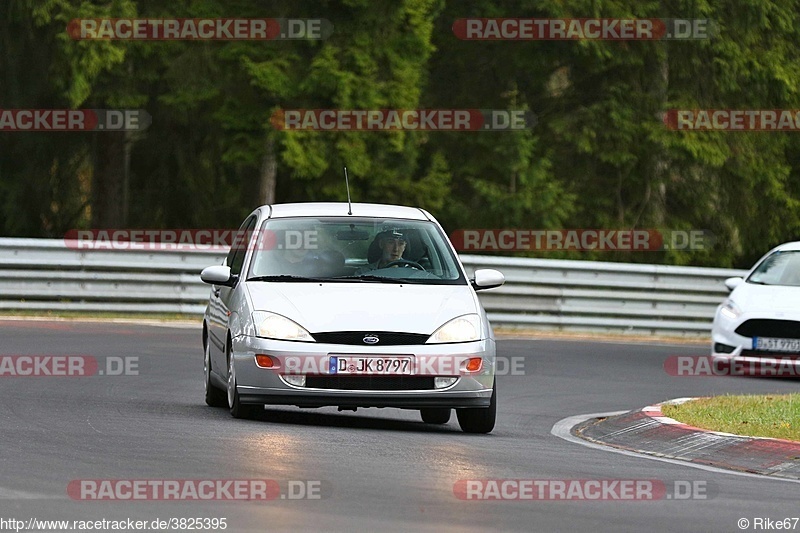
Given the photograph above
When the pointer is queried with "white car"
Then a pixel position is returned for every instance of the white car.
(362, 305)
(761, 317)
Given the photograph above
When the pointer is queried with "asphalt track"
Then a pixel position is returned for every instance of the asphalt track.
(380, 470)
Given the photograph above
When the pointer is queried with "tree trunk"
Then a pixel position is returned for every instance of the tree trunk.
(108, 195)
(267, 179)
(658, 210)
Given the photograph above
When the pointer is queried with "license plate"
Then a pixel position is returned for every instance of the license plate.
(341, 364)
(772, 344)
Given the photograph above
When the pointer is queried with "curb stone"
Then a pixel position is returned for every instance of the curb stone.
(649, 432)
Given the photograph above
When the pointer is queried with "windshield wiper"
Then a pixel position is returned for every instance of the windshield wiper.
(286, 277)
(366, 277)
(371, 277)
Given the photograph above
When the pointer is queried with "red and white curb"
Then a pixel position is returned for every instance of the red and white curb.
(649, 433)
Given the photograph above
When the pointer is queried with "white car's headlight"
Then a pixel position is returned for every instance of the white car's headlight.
(461, 329)
(274, 326)
(730, 310)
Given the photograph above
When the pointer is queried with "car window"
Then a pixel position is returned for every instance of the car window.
(350, 248)
(780, 268)
(240, 245)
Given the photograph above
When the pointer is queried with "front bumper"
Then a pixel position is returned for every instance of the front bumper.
(258, 385)
(731, 346)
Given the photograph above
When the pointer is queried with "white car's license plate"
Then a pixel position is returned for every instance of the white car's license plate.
(388, 365)
(772, 344)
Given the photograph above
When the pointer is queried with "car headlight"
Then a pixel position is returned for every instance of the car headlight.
(730, 310)
(461, 329)
(274, 326)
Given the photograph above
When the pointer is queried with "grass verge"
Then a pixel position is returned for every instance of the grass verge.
(772, 415)
(98, 315)
(520, 333)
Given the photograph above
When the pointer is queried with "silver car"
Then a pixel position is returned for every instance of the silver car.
(362, 305)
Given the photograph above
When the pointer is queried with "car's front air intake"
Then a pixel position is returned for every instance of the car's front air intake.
(762, 327)
(370, 382)
(384, 338)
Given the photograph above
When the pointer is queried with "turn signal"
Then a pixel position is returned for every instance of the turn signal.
(264, 361)
(474, 364)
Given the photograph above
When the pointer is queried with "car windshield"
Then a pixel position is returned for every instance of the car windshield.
(351, 249)
(780, 268)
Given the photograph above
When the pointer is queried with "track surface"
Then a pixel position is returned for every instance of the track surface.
(382, 469)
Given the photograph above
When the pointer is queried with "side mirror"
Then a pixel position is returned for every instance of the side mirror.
(732, 283)
(487, 278)
(218, 275)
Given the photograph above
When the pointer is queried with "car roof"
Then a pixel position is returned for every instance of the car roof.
(306, 209)
(788, 247)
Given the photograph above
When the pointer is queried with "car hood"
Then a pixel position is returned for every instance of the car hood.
(323, 307)
(767, 299)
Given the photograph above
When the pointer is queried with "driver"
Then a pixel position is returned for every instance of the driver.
(392, 245)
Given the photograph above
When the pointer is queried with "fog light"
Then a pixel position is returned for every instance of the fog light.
(474, 364)
(723, 348)
(298, 380)
(442, 382)
(264, 361)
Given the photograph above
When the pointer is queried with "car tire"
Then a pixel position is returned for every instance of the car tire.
(240, 410)
(237, 408)
(481, 419)
(435, 415)
(215, 397)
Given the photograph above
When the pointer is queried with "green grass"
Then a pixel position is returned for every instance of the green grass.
(772, 415)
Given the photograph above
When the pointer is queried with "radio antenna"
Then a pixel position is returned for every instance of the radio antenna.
(347, 185)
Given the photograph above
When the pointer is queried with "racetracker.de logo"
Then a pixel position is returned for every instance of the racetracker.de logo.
(732, 119)
(706, 365)
(74, 119)
(402, 120)
(215, 29)
(580, 489)
(580, 240)
(419, 365)
(197, 489)
(190, 239)
(580, 29)
(67, 366)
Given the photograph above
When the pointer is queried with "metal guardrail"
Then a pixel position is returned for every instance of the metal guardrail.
(44, 274)
(603, 297)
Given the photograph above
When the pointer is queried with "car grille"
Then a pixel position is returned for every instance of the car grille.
(387, 338)
(370, 382)
(761, 327)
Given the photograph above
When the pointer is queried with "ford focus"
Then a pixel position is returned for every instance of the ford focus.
(761, 317)
(362, 305)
